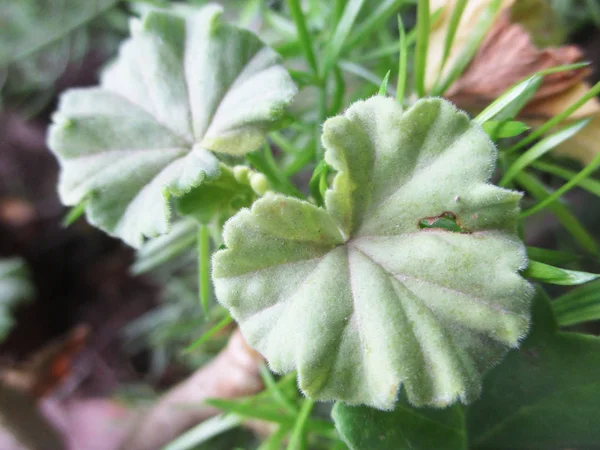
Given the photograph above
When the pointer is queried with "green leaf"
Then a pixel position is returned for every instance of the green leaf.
(164, 248)
(555, 120)
(545, 396)
(499, 129)
(205, 431)
(182, 88)
(303, 34)
(384, 10)
(218, 198)
(546, 273)
(15, 288)
(402, 61)
(405, 428)
(336, 42)
(512, 101)
(590, 168)
(541, 148)
(589, 184)
(551, 256)
(384, 84)
(298, 434)
(582, 304)
(422, 45)
(28, 26)
(359, 301)
(471, 46)
(566, 218)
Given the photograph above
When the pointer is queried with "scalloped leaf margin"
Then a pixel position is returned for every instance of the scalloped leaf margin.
(182, 87)
(357, 297)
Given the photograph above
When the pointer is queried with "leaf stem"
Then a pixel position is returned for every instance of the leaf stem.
(297, 435)
(203, 246)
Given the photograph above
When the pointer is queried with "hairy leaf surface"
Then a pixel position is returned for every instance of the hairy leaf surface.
(182, 87)
(358, 297)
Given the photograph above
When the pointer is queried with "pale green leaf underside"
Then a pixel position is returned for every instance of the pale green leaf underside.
(181, 88)
(357, 297)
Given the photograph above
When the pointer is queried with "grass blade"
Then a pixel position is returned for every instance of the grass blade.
(365, 74)
(402, 61)
(594, 91)
(512, 100)
(582, 175)
(580, 305)
(341, 33)
(500, 129)
(589, 184)
(297, 437)
(566, 218)
(275, 440)
(540, 149)
(457, 14)
(205, 431)
(210, 333)
(551, 256)
(74, 213)
(203, 246)
(371, 23)
(384, 84)
(303, 35)
(470, 48)
(275, 392)
(422, 44)
(546, 273)
(157, 251)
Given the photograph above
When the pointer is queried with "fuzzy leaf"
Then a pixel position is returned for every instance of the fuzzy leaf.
(358, 297)
(181, 88)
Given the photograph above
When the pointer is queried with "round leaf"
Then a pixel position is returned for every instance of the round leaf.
(357, 297)
(181, 88)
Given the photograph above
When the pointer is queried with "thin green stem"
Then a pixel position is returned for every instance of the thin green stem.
(297, 436)
(203, 244)
(421, 46)
(303, 35)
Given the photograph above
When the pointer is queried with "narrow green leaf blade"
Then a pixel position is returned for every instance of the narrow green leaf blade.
(566, 218)
(512, 101)
(402, 62)
(551, 256)
(541, 148)
(422, 44)
(546, 273)
(582, 175)
(384, 84)
(303, 34)
(384, 10)
(547, 126)
(582, 304)
(470, 47)
(589, 184)
(336, 43)
(500, 129)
